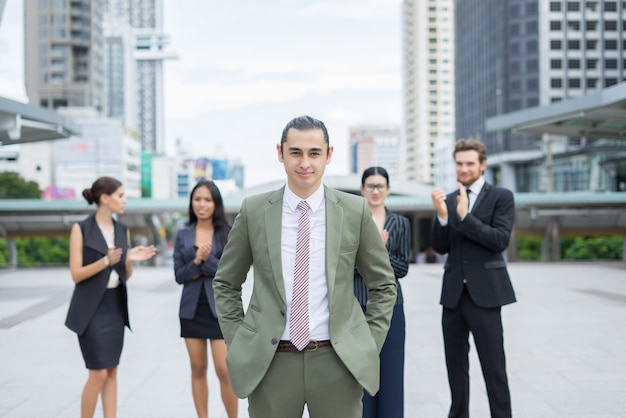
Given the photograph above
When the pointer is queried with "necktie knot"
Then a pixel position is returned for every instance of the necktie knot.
(303, 206)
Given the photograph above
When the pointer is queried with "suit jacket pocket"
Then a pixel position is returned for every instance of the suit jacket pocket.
(497, 264)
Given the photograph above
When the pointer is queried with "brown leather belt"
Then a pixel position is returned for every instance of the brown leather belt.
(287, 346)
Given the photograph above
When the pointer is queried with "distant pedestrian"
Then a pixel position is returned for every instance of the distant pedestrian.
(395, 233)
(197, 251)
(473, 225)
(101, 261)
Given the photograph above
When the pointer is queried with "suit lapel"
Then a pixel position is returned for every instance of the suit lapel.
(334, 225)
(481, 196)
(93, 237)
(273, 227)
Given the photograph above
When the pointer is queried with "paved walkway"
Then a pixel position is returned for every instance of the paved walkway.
(565, 341)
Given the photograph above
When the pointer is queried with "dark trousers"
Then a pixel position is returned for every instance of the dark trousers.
(485, 325)
(389, 401)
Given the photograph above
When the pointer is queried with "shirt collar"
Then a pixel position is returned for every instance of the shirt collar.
(314, 201)
(477, 186)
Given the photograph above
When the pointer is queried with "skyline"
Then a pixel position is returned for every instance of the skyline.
(243, 72)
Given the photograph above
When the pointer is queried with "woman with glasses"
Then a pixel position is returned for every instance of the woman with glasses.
(395, 233)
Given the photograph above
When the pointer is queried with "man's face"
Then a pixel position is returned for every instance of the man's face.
(468, 168)
(305, 155)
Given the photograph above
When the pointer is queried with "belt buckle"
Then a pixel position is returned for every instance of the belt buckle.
(314, 348)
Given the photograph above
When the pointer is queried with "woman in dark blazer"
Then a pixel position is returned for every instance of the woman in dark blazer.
(197, 252)
(100, 263)
(395, 233)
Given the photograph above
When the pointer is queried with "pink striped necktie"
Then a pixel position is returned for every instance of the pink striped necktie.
(299, 331)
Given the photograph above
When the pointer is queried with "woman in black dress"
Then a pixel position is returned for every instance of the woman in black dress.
(101, 261)
(197, 252)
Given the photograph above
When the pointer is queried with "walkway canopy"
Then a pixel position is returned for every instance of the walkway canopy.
(21, 123)
(597, 115)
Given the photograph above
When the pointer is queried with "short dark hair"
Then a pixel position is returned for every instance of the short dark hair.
(372, 171)
(304, 123)
(103, 185)
(471, 145)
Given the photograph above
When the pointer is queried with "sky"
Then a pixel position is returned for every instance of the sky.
(244, 69)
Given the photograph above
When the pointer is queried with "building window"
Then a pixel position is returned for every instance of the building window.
(573, 64)
(532, 84)
(556, 64)
(531, 9)
(531, 46)
(573, 6)
(573, 83)
(610, 64)
(533, 101)
(531, 27)
(610, 44)
(591, 64)
(555, 6)
(592, 5)
(555, 25)
(591, 44)
(555, 45)
(610, 6)
(609, 82)
(556, 83)
(591, 25)
(515, 67)
(514, 29)
(532, 65)
(516, 86)
(592, 83)
(573, 25)
(555, 99)
(573, 44)
(610, 25)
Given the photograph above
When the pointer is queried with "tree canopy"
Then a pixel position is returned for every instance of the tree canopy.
(12, 186)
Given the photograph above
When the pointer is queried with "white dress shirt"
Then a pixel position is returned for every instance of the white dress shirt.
(109, 238)
(318, 290)
(472, 195)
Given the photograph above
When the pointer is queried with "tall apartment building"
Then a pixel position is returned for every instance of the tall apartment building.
(429, 102)
(517, 54)
(63, 51)
(73, 57)
(375, 145)
(146, 18)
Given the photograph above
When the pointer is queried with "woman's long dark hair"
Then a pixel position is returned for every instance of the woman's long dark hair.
(220, 223)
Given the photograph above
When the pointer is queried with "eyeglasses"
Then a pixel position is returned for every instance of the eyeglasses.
(371, 187)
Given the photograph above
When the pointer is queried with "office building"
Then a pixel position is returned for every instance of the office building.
(428, 76)
(521, 54)
(63, 50)
(375, 145)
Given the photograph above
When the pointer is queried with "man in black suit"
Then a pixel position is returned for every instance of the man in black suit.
(473, 225)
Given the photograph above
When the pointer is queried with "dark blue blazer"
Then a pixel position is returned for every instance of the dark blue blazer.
(475, 248)
(186, 271)
(399, 248)
(88, 293)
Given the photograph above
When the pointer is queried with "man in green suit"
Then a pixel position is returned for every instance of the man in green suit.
(339, 356)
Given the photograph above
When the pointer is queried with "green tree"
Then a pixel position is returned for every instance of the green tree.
(594, 248)
(12, 186)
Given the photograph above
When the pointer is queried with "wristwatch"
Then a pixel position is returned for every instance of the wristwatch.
(106, 260)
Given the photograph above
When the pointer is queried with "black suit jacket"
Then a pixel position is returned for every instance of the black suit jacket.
(185, 270)
(475, 248)
(88, 293)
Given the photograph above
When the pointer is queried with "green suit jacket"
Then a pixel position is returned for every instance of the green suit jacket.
(351, 237)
